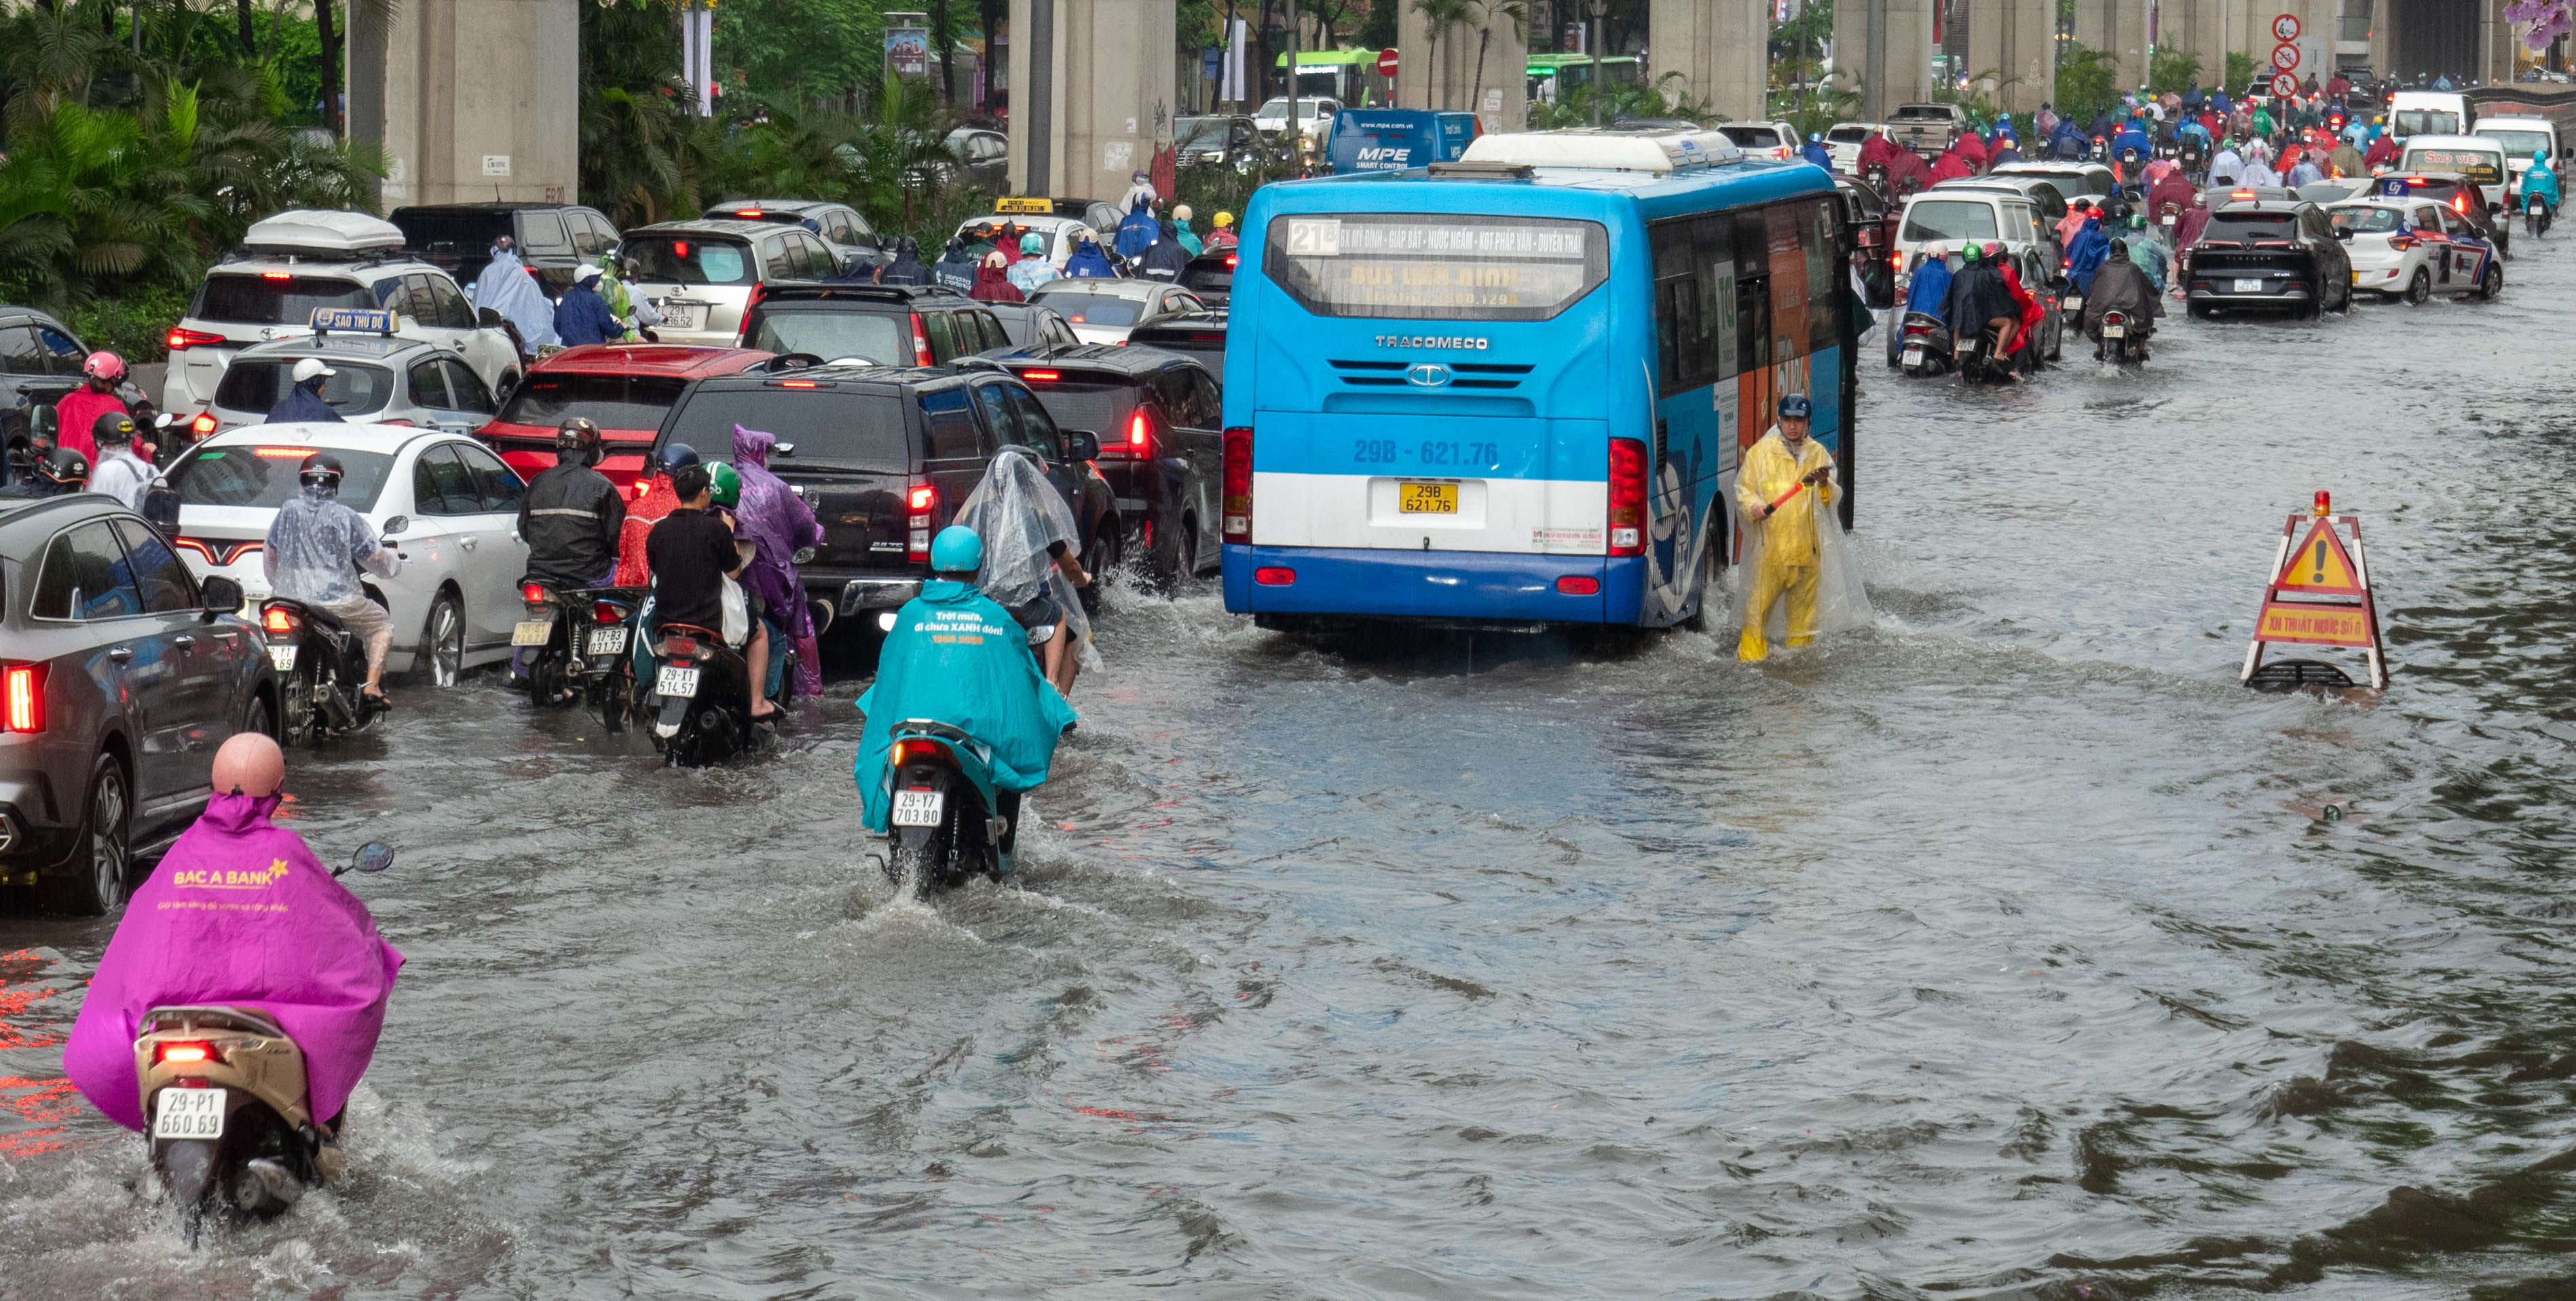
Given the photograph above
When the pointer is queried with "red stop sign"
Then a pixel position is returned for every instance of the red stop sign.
(1386, 63)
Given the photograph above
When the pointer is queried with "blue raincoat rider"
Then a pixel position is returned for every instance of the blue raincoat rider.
(2133, 136)
(2540, 182)
(2084, 256)
(1814, 151)
(956, 657)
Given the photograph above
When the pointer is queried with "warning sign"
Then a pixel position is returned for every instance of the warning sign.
(2319, 595)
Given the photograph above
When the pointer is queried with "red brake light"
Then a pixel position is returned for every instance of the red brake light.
(22, 688)
(923, 503)
(606, 612)
(1041, 376)
(747, 214)
(2240, 194)
(277, 275)
(1238, 486)
(679, 648)
(2460, 203)
(185, 1052)
(1627, 497)
(1274, 576)
(532, 592)
(297, 453)
(1578, 585)
(920, 747)
(920, 342)
(180, 340)
(796, 383)
(923, 496)
(1139, 432)
(680, 248)
(1231, 259)
(278, 619)
(204, 424)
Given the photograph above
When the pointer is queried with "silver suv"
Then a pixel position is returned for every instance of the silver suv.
(380, 380)
(120, 673)
(703, 275)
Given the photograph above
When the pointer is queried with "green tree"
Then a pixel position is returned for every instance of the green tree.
(1377, 31)
(2087, 84)
(2240, 72)
(2172, 70)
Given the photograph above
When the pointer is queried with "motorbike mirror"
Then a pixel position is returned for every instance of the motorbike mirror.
(372, 857)
(221, 595)
(397, 524)
(804, 555)
(885, 620)
(785, 449)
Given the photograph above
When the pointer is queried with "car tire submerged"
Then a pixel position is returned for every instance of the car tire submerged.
(2419, 289)
(441, 659)
(92, 882)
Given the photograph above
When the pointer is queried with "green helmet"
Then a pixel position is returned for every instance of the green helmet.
(726, 483)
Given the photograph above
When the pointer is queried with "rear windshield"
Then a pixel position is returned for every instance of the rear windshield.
(1200, 278)
(612, 402)
(2421, 122)
(835, 334)
(1435, 266)
(276, 298)
(352, 390)
(1949, 219)
(264, 476)
(2243, 227)
(1203, 133)
(2518, 144)
(468, 231)
(686, 260)
(1103, 407)
(1094, 309)
(1923, 113)
(1848, 135)
(1752, 137)
(2476, 164)
(862, 431)
(2367, 221)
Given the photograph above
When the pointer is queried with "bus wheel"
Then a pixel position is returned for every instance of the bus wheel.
(1711, 580)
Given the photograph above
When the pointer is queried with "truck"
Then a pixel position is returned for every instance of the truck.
(1395, 139)
(1927, 129)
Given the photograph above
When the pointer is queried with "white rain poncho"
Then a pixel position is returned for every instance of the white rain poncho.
(1842, 603)
(1018, 514)
(506, 287)
(316, 546)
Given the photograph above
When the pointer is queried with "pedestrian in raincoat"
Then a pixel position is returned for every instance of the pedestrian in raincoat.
(993, 282)
(779, 523)
(240, 912)
(1164, 259)
(1088, 262)
(1952, 165)
(1032, 270)
(582, 316)
(1137, 230)
(506, 287)
(2085, 255)
(655, 501)
(957, 657)
(1189, 238)
(1784, 496)
(956, 267)
(906, 268)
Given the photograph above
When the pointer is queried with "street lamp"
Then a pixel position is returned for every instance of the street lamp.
(1592, 46)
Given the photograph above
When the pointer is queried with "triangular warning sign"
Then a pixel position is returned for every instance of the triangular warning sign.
(2320, 566)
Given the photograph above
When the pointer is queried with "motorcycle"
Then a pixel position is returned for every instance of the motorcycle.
(613, 692)
(948, 822)
(325, 667)
(2118, 347)
(231, 1121)
(551, 630)
(701, 697)
(2535, 216)
(1926, 346)
(1981, 361)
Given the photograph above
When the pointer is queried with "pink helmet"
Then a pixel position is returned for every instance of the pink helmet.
(104, 365)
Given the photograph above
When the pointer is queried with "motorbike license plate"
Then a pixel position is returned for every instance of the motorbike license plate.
(2249, 286)
(2115, 332)
(607, 641)
(188, 1113)
(676, 681)
(2075, 302)
(1427, 498)
(532, 632)
(919, 807)
(282, 658)
(1914, 354)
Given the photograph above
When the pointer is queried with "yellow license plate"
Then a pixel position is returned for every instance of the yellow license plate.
(1427, 498)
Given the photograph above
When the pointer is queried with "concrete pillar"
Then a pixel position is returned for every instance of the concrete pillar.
(1720, 47)
(1445, 76)
(2015, 40)
(2118, 28)
(1091, 94)
(470, 99)
(1883, 49)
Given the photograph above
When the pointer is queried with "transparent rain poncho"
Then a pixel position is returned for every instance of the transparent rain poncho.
(316, 546)
(1019, 515)
(1842, 603)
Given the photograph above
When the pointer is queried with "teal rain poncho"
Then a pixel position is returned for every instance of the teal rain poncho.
(957, 658)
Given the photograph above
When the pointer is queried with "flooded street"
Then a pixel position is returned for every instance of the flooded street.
(2005, 949)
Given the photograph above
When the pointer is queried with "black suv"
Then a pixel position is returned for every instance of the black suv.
(2269, 255)
(554, 239)
(885, 455)
(887, 325)
(1200, 335)
(40, 363)
(1161, 422)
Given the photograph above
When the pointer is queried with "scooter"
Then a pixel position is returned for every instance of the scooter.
(613, 691)
(2117, 346)
(552, 629)
(232, 1125)
(324, 665)
(1926, 345)
(701, 697)
(1979, 362)
(948, 822)
(2536, 216)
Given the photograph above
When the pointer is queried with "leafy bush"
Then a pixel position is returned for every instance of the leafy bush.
(2087, 85)
(2173, 70)
(134, 324)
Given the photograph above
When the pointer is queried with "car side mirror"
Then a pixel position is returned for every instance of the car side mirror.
(489, 316)
(220, 594)
(1080, 445)
(372, 857)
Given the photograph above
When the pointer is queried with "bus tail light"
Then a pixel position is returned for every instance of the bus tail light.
(1275, 576)
(1627, 497)
(1238, 486)
(1579, 585)
(919, 505)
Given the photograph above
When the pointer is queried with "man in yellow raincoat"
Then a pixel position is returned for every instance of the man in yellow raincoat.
(1780, 526)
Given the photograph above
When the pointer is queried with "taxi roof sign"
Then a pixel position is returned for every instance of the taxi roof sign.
(354, 320)
(1023, 205)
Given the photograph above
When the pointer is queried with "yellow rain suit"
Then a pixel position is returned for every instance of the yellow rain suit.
(1782, 549)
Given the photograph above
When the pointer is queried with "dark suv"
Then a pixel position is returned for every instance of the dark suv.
(888, 325)
(885, 455)
(2269, 255)
(40, 362)
(119, 675)
(1162, 442)
(553, 239)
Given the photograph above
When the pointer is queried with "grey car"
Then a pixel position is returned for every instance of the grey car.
(120, 673)
(375, 379)
(40, 361)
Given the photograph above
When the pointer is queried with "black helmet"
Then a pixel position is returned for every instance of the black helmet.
(64, 466)
(674, 456)
(577, 437)
(320, 470)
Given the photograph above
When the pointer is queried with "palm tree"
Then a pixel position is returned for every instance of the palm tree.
(1439, 16)
(1514, 11)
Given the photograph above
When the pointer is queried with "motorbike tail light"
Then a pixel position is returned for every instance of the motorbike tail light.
(1627, 497)
(534, 593)
(185, 1051)
(181, 339)
(920, 504)
(22, 698)
(920, 342)
(1238, 486)
(279, 621)
(607, 612)
(679, 648)
(1578, 585)
(911, 748)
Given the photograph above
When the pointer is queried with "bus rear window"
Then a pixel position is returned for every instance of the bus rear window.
(1436, 266)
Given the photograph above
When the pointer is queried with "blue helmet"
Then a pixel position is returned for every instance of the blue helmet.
(957, 550)
(674, 456)
(1795, 407)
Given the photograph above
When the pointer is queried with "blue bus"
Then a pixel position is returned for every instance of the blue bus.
(1513, 390)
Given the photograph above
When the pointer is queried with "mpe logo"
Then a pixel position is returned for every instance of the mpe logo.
(1385, 155)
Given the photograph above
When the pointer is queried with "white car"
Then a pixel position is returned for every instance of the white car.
(446, 504)
(297, 261)
(1058, 232)
(1314, 116)
(2521, 137)
(1766, 139)
(1105, 311)
(2410, 248)
(1844, 139)
(2479, 158)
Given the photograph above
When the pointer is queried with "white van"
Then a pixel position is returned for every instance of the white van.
(2521, 137)
(2479, 158)
(2429, 113)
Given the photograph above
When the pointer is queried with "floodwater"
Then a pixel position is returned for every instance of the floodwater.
(2004, 949)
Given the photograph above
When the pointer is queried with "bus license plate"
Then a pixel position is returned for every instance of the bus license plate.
(676, 682)
(2249, 286)
(919, 807)
(282, 658)
(532, 632)
(607, 641)
(188, 1113)
(2115, 332)
(1427, 498)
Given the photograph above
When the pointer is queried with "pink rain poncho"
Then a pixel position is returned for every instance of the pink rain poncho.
(779, 522)
(238, 914)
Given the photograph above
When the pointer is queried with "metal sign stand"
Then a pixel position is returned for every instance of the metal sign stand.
(2318, 595)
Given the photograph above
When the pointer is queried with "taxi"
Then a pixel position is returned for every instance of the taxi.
(2405, 244)
(1055, 220)
(2459, 193)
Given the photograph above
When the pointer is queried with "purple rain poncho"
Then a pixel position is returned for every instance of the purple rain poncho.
(779, 522)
